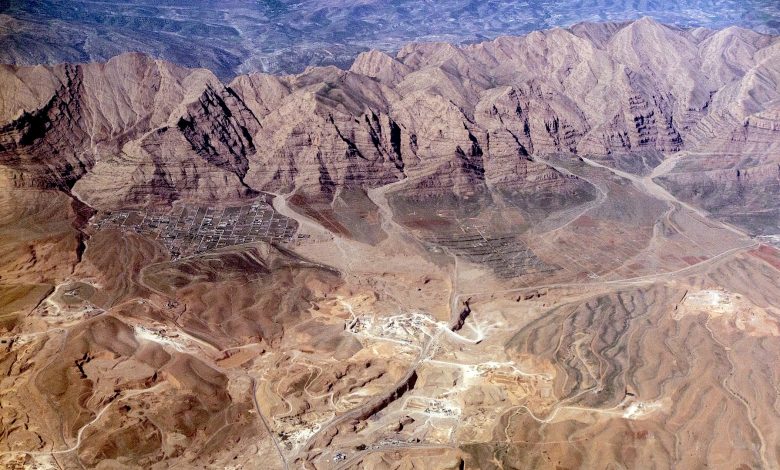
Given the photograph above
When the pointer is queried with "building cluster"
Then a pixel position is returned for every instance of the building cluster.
(189, 230)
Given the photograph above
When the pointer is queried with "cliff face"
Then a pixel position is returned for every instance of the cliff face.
(458, 119)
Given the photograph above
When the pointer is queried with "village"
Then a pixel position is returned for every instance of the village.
(190, 230)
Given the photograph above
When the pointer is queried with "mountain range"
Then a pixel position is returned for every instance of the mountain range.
(556, 250)
(473, 116)
(285, 36)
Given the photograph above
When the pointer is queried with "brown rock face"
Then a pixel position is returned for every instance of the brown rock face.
(461, 118)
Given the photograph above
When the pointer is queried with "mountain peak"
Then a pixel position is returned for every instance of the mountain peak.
(377, 64)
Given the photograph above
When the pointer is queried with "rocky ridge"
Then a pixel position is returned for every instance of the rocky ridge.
(466, 120)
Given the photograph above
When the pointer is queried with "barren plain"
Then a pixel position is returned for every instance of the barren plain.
(553, 251)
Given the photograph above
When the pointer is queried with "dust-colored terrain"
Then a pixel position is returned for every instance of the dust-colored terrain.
(537, 252)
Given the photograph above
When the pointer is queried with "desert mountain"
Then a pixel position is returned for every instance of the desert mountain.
(469, 116)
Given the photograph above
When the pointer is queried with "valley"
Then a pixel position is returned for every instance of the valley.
(502, 255)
